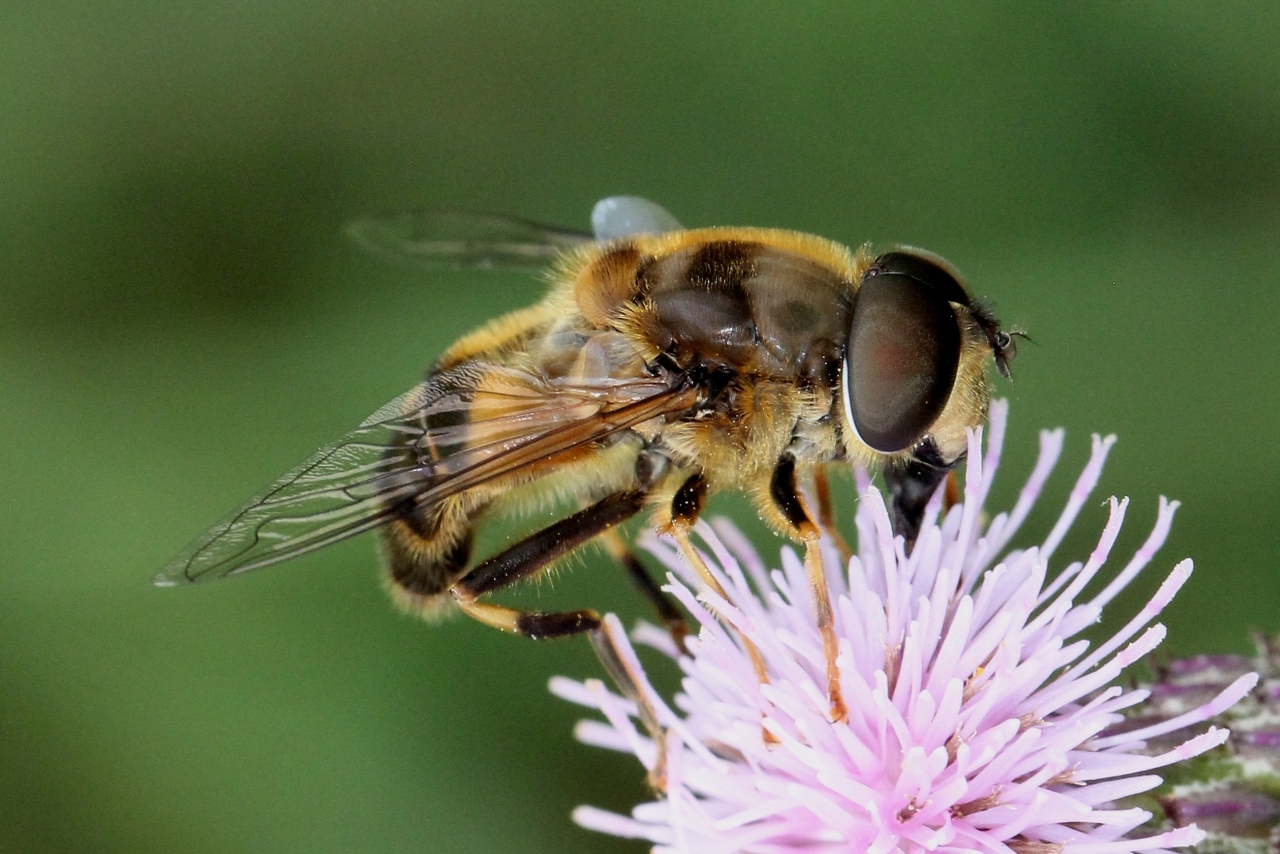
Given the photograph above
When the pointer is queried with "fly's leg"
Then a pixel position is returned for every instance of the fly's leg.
(952, 496)
(531, 556)
(663, 604)
(628, 682)
(826, 514)
(786, 498)
(534, 554)
(686, 507)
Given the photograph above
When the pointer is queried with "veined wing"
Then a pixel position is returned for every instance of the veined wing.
(449, 239)
(455, 431)
(436, 239)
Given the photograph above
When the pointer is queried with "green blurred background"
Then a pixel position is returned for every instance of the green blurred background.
(180, 321)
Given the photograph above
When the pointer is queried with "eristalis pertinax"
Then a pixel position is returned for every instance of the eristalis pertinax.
(664, 364)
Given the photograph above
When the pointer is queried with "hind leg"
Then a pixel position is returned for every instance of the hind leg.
(533, 555)
(663, 604)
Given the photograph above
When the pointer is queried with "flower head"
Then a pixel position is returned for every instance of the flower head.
(979, 720)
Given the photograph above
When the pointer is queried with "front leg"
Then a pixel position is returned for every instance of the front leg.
(785, 496)
(826, 513)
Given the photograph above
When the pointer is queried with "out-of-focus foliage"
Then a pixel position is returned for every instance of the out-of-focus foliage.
(180, 322)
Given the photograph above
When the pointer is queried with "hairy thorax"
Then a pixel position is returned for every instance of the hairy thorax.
(760, 326)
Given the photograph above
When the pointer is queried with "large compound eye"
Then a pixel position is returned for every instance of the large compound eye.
(900, 365)
(926, 268)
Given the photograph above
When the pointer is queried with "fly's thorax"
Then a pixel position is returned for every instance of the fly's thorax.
(740, 441)
(751, 300)
(768, 309)
(745, 306)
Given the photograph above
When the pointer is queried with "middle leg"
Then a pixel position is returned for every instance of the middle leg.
(685, 509)
(786, 498)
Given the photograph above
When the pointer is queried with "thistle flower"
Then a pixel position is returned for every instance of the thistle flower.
(1236, 795)
(978, 719)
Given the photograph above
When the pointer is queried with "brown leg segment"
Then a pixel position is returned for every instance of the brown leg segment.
(531, 556)
(606, 647)
(686, 507)
(785, 495)
(826, 514)
(952, 496)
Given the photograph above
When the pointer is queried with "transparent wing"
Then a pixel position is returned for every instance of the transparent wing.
(436, 239)
(455, 431)
(623, 216)
(444, 239)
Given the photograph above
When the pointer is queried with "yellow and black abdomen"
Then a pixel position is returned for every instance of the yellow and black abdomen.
(427, 544)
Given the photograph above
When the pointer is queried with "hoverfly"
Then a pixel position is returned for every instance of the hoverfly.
(663, 365)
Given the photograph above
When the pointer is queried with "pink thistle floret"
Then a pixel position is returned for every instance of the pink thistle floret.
(978, 718)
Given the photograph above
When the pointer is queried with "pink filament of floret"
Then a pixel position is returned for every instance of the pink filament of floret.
(976, 719)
